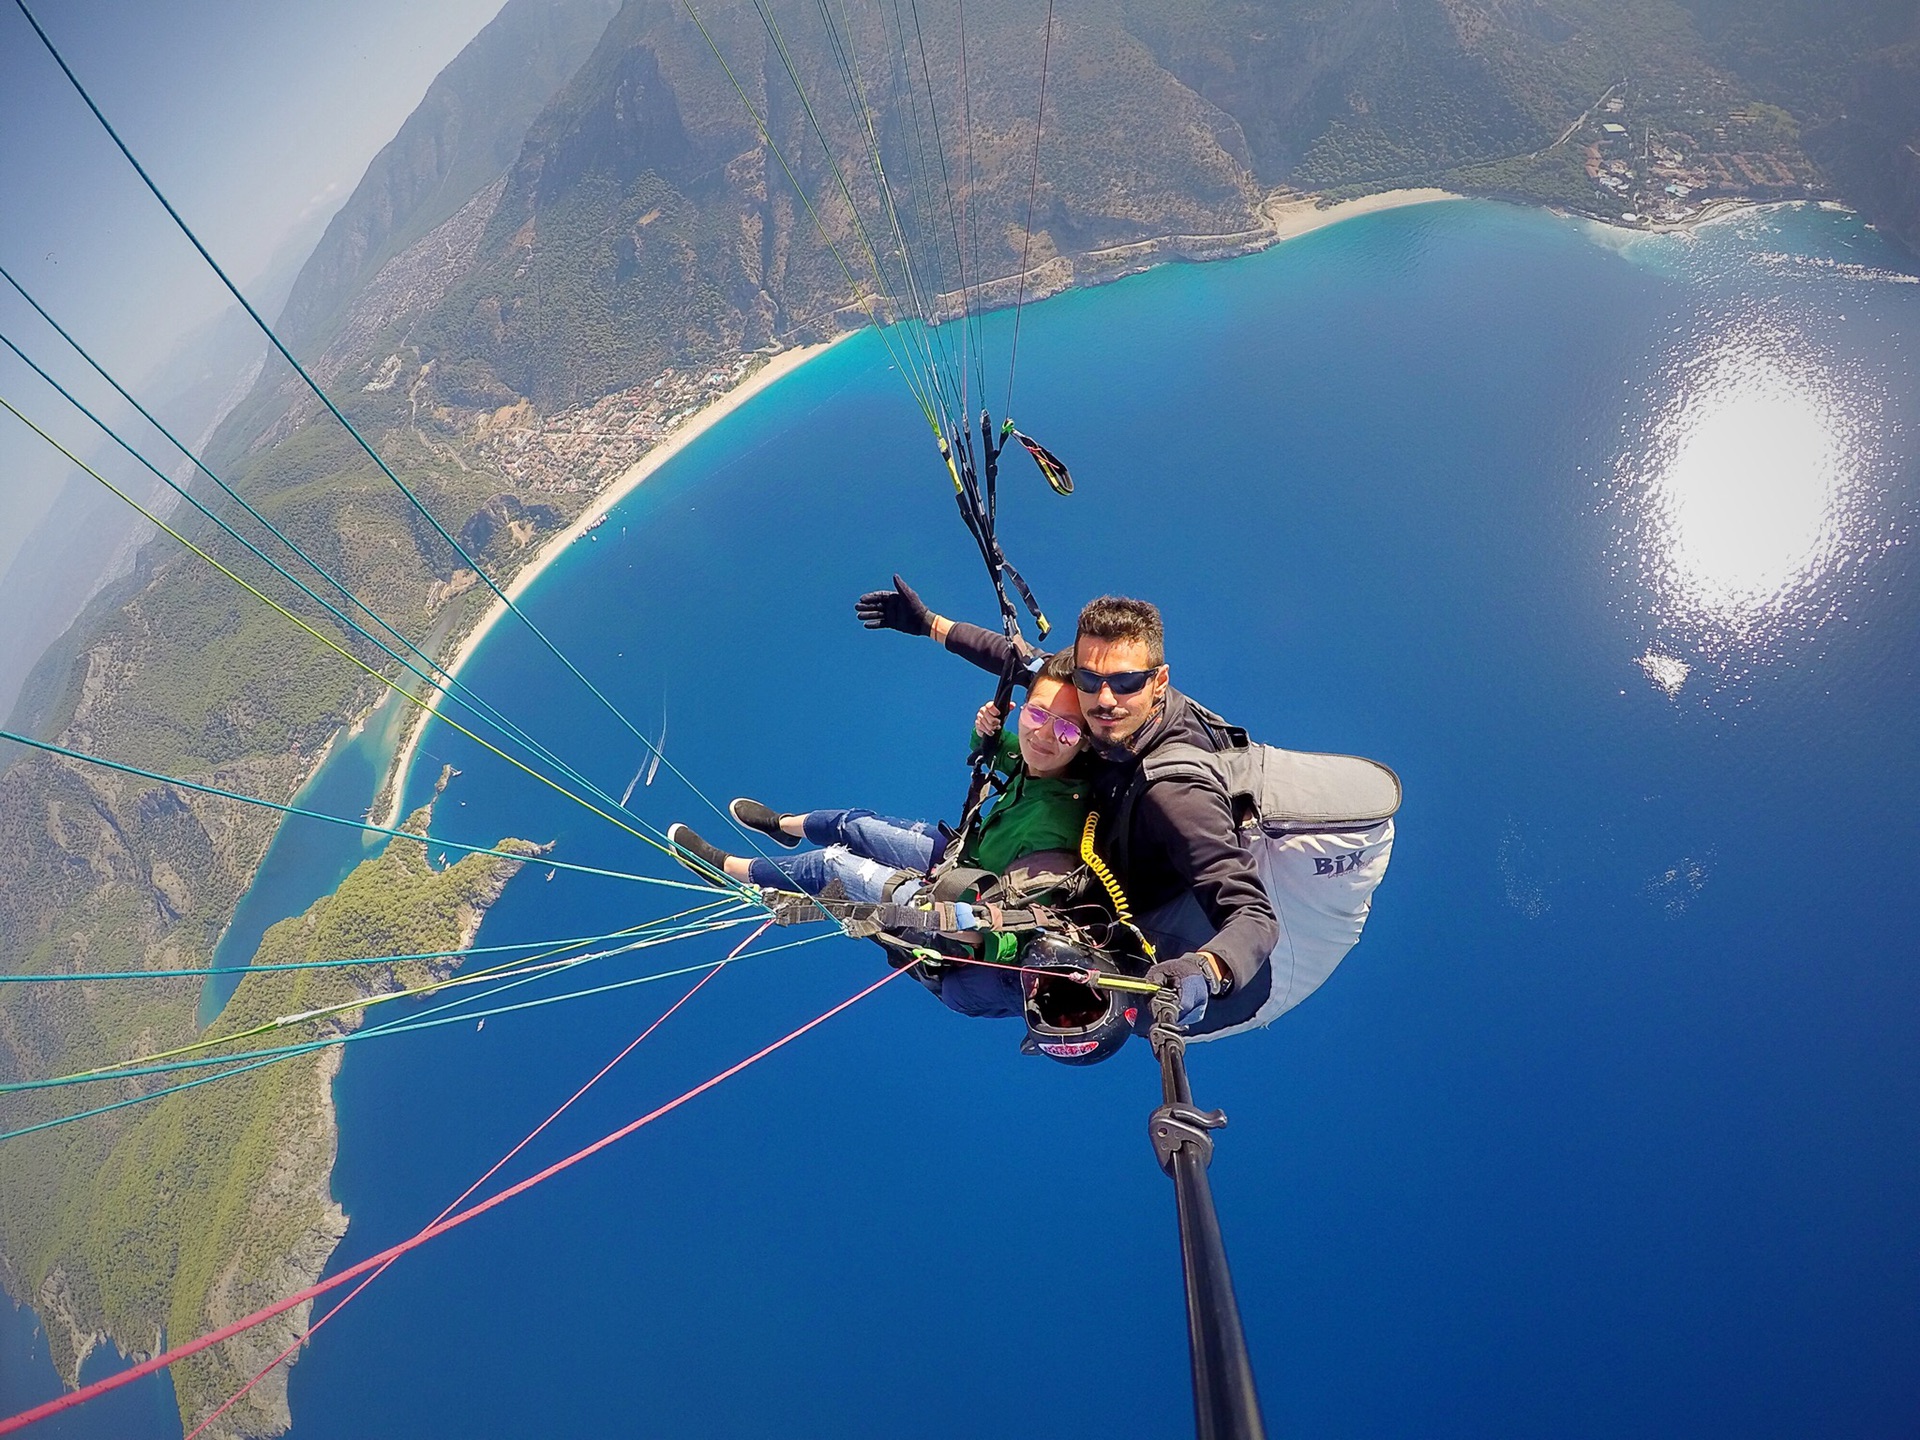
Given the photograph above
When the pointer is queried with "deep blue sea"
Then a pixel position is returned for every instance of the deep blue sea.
(1611, 1124)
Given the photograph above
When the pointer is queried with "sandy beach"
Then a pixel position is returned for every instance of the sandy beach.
(624, 484)
(1293, 217)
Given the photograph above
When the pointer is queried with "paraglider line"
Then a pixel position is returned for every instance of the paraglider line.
(447, 679)
(310, 382)
(167, 1060)
(199, 971)
(1033, 191)
(52, 749)
(75, 1398)
(335, 645)
(466, 1194)
(255, 1059)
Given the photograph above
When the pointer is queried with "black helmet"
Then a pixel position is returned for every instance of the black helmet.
(1068, 1019)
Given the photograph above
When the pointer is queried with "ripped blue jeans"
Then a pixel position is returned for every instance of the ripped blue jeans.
(862, 850)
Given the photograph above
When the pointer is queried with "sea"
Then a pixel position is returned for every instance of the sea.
(1611, 1123)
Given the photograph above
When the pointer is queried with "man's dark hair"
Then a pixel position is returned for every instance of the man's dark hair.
(1058, 666)
(1115, 617)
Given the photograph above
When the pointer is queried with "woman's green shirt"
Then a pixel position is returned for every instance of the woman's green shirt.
(1032, 814)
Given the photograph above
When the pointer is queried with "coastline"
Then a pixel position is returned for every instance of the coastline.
(1283, 214)
(367, 1161)
(387, 803)
(1287, 218)
(1290, 217)
(1294, 216)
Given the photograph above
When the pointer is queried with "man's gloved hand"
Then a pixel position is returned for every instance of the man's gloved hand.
(896, 609)
(1187, 975)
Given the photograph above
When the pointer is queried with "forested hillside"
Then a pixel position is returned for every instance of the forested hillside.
(1849, 71)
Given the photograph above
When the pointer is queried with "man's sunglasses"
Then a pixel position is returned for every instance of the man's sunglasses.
(1067, 732)
(1124, 682)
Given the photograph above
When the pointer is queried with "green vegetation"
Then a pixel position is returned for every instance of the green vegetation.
(619, 293)
(210, 1202)
(466, 130)
(1849, 73)
(1556, 178)
(647, 224)
(179, 671)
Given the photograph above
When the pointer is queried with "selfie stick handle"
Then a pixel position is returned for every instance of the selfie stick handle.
(1226, 1405)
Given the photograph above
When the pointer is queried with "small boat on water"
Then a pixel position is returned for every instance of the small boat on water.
(597, 522)
(659, 749)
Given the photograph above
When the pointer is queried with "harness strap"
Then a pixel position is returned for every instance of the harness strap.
(952, 884)
(980, 786)
(864, 920)
(1026, 594)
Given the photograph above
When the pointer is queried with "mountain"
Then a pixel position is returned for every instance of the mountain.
(464, 133)
(458, 141)
(87, 538)
(164, 669)
(647, 222)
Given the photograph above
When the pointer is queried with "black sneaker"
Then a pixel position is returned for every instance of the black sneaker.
(709, 862)
(755, 816)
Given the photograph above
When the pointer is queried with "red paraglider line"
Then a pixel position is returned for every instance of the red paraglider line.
(466, 1194)
(374, 1262)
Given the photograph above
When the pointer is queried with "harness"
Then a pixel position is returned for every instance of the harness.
(882, 921)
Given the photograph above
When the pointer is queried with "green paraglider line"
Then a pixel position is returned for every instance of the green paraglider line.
(273, 337)
(542, 964)
(135, 1372)
(307, 1333)
(257, 1058)
(310, 382)
(329, 641)
(444, 679)
(526, 971)
(201, 971)
(52, 749)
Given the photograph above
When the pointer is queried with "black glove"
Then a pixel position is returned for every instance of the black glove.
(1187, 976)
(896, 609)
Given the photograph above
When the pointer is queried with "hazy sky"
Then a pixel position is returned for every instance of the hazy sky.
(257, 117)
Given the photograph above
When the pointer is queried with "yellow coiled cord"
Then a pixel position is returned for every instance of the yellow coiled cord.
(1121, 910)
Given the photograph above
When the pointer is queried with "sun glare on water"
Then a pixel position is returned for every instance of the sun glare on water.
(1744, 494)
(1747, 502)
